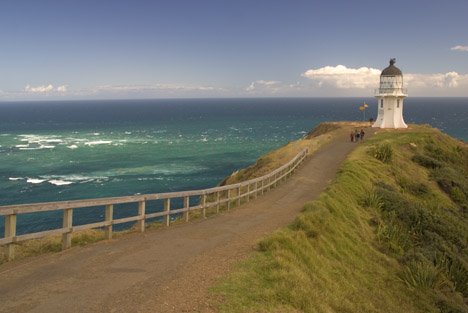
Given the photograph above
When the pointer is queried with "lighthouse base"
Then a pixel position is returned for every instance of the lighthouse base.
(383, 124)
(390, 112)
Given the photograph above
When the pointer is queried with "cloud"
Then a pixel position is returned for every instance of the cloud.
(263, 85)
(39, 89)
(273, 88)
(460, 48)
(45, 89)
(343, 77)
(62, 88)
(447, 80)
(153, 88)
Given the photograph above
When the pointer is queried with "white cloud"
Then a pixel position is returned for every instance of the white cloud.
(39, 89)
(45, 89)
(152, 88)
(460, 48)
(274, 88)
(449, 80)
(264, 85)
(343, 77)
(62, 88)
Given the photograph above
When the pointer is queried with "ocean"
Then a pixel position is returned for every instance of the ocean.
(63, 150)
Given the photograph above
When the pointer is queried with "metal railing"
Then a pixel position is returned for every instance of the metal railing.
(391, 91)
(229, 195)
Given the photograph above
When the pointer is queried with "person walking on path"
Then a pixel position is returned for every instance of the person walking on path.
(351, 136)
(362, 134)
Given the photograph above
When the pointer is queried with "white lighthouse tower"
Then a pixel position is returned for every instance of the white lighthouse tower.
(390, 98)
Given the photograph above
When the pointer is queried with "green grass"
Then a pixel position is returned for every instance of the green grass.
(389, 235)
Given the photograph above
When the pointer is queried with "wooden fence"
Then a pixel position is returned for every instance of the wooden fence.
(217, 197)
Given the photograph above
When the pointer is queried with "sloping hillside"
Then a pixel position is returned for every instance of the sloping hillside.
(389, 235)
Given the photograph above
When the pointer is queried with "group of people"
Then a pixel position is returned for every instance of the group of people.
(357, 135)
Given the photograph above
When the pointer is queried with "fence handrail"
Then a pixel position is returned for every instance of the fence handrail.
(260, 184)
(83, 203)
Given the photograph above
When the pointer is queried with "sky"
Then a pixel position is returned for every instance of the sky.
(109, 49)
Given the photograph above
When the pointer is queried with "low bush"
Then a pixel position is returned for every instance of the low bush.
(426, 161)
(423, 275)
(383, 152)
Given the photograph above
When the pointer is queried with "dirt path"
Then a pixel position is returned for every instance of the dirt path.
(166, 270)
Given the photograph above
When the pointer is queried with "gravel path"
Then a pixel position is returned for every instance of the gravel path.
(164, 270)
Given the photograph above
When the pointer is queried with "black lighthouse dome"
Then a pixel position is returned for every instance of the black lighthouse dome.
(391, 70)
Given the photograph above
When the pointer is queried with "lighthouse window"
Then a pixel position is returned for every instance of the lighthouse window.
(398, 103)
(381, 103)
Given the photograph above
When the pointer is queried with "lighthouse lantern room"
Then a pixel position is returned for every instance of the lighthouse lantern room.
(390, 98)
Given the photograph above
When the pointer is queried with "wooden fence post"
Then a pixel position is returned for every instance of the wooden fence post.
(203, 203)
(167, 209)
(187, 206)
(239, 196)
(67, 224)
(248, 192)
(10, 232)
(141, 214)
(217, 202)
(256, 190)
(109, 215)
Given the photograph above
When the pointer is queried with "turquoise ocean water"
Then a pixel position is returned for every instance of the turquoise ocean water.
(51, 151)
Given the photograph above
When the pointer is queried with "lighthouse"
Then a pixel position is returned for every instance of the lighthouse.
(390, 96)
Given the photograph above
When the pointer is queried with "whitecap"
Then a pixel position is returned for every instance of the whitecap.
(98, 142)
(21, 146)
(72, 147)
(15, 178)
(96, 134)
(53, 140)
(36, 148)
(128, 133)
(35, 180)
(59, 182)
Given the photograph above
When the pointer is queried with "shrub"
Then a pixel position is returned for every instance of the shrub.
(383, 152)
(426, 161)
(415, 188)
(422, 275)
(373, 200)
(453, 183)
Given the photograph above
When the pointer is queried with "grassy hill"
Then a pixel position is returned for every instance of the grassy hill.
(389, 235)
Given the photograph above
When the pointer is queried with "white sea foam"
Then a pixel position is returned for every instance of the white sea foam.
(35, 180)
(15, 178)
(96, 134)
(21, 146)
(128, 133)
(27, 147)
(98, 142)
(72, 147)
(59, 182)
(53, 140)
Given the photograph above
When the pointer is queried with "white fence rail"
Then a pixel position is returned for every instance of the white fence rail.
(226, 196)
